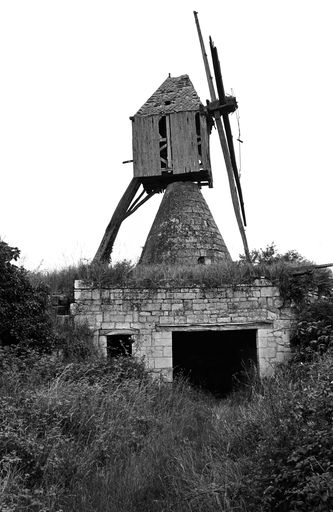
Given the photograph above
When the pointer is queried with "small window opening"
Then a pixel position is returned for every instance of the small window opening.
(198, 131)
(162, 127)
(119, 345)
(163, 142)
(203, 260)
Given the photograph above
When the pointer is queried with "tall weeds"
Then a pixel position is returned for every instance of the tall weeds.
(91, 436)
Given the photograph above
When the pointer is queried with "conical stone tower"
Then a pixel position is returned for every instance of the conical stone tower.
(184, 231)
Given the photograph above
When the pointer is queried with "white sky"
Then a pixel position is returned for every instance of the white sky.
(73, 71)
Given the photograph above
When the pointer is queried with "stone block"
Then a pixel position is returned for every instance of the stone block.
(107, 325)
(86, 295)
(178, 306)
(224, 319)
(266, 368)
(280, 357)
(167, 320)
(122, 325)
(240, 294)
(167, 351)
(192, 319)
(99, 319)
(91, 320)
(163, 362)
(268, 353)
(79, 283)
(150, 363)
(77, 294)
(188, 295)
(268, 291)
(162, 339)
(180, 320)
(96, 294)
(73, 308)
(128, 318)
(145, 340)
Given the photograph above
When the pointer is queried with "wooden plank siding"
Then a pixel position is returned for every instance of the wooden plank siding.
(184, 143)
(146, 152)
(182, 146)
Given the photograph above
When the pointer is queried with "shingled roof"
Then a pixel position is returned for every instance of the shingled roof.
(176, 94)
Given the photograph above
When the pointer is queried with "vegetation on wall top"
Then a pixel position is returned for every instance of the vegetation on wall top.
(296, 277)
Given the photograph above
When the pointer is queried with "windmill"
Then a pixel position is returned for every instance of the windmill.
(170, 135)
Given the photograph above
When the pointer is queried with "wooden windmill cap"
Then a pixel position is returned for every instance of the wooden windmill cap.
(176, 94)
(184, 231)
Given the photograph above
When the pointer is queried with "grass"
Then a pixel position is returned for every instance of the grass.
(284, 274)
(91, 436)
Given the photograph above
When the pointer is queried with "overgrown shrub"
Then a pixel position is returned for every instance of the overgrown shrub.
(314, 329)
(24, 313)
(295, 459)
(73, 341)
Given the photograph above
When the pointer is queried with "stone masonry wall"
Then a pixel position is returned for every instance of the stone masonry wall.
(151, 315)
(184, 229)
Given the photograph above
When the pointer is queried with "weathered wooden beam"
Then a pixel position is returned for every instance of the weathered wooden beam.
(224, 146)
(205, 59)
(137, 199)
(306, 269)
(104, 251)
(226, 121)
(228, 107)
(137, 205)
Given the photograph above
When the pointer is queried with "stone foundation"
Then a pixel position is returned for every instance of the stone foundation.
(152, 315)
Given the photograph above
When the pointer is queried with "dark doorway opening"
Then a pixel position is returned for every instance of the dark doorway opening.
(119, 345)
(216, 361)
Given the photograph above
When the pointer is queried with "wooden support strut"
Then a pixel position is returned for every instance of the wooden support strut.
(137, 204)
(105, 248)
(223, 142)
(125, 208)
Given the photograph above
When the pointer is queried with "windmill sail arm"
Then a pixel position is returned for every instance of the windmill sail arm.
(226, 122)
(225, 150)
(231, 179)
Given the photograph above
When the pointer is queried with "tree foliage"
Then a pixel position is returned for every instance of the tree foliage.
(24, 314)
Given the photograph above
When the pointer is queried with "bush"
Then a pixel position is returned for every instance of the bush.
(74, 342)
(295, 459)
(24, 313)
(314, 330)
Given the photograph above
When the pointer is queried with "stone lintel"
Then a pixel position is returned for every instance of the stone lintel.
(212, 327)
(111, 332)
